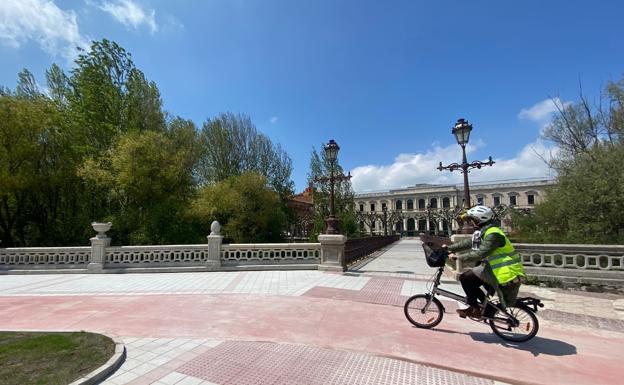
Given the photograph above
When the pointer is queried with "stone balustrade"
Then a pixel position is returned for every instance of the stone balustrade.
(270, 253)
(45, 257)
(332, 253)
(584, 257)
(574, 266)
(101, 257)
(169, 255)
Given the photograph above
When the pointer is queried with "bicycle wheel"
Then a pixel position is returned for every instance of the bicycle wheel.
(415, 312)
(526, 328)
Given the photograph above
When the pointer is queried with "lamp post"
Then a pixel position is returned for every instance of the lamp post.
(435, 225)
(385, 219)
(331, 153)
(462, 130)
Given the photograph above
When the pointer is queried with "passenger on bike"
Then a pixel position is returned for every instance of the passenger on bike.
(498, 268)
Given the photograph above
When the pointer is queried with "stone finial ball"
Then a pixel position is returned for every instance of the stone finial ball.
(215, 228)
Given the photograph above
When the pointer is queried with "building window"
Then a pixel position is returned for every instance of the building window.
(383, 207)
(496, 201)
(480, 201)
(410, 204)
(398, 205)
(434, 203)
(361, 207)
(421, 204)
(446, 203)
(512, 200)
(531, 199)
(372, 207)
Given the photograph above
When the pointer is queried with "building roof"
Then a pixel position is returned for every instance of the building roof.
(305, 197)
(427, 187)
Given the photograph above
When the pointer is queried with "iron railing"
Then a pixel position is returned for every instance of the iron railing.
(358, 248)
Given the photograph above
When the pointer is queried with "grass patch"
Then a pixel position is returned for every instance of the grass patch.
(51, 358)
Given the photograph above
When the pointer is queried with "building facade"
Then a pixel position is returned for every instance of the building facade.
(430, 208)
(301, 217)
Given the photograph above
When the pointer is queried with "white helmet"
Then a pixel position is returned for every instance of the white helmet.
(481, 214)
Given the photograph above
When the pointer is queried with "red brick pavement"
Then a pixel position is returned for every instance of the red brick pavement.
(556, 356)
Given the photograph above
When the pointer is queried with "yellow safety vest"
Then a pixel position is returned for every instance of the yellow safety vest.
(504, 261)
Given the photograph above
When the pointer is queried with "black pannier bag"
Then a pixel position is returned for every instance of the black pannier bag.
(434, 254)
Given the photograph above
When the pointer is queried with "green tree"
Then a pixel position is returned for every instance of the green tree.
(231, 145)
(110, 96)
(58, 85)
(344, 205)
(27, 86)
(98, 146)
(245, 207)
(25, 126)
(586, 204)
(149, 179)
(106, 99)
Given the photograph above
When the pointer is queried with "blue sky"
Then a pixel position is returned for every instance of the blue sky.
(385, 79)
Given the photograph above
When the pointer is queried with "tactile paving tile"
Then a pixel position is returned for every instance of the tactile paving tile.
(385, 291)
(264, 363)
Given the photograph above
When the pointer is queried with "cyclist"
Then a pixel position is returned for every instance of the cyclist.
(499, 267)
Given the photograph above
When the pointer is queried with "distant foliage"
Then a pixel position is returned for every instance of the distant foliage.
(587, 204)
(245, 206)
(97, 146)
(232, 146)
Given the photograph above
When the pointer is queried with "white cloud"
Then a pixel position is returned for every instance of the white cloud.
(130, 14)
(273, 119)
(55, 30)
(410, 169)
(542, 111)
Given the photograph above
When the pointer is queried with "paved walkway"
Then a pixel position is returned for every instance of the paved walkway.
(308, 327)
(404, 259)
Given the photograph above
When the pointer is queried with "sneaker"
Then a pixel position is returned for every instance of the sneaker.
(469, 312)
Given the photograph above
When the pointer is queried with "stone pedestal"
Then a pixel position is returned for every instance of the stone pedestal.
(99, 243)
(332, 252)
(215, 239)
(214, 250)
(98, 252)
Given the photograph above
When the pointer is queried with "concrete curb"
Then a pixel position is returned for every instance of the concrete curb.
(167, 269)
(101, 373)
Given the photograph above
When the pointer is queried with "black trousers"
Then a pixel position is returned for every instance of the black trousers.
(471, 284)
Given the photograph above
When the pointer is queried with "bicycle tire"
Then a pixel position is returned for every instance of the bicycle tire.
(413, 308)
(528, 322)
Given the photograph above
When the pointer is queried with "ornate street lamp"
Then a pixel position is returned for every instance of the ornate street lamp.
(331, 153)
(385, 219)
(428, 209)
(462, 130)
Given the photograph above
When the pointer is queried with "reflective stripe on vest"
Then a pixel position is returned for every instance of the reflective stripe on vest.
(505, 262)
